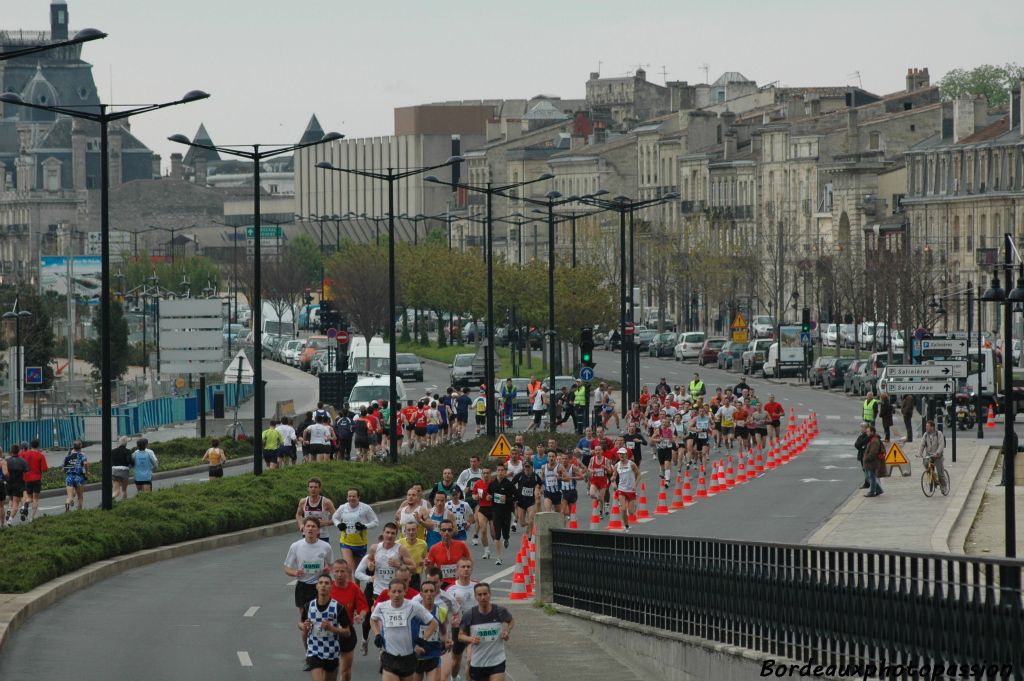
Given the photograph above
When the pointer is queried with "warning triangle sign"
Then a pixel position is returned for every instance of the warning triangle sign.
(895, 456)
(239, 369)
(501, 448)
(740, 322)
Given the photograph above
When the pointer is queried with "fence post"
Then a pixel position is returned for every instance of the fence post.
(543, 524)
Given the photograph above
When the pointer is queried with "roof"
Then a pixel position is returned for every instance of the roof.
(990, 132)
(590, 151)
(730, 77)
(313, 131)
(201, 137)
(59, 135)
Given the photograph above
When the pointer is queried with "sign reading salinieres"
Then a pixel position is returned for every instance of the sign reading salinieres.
(941, 370)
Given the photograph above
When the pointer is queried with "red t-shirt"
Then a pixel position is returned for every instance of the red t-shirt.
(409, 415)
(480, 493)
(775, 410)
(351, 598)
(448, 558)
(410, 593)
(36, 465)
(372, 423)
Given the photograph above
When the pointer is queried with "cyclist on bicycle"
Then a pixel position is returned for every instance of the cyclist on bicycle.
(933, 445)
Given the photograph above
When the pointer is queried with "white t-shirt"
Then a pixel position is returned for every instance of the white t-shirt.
(287, 434)
(538, 401)
(397, 625)
(319, 434)
(313, 558)
(462, 596)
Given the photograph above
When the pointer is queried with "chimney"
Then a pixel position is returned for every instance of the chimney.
(852, 133)
(200, 169)
(156, 166)
(78, 154)
(729, 150)
(641, 74)
(728, 119)
(1015, 118)
(177, 172)
(594, 75)
(755, 145)
(58, 20)
(963, 117)
(910, 80)
(980, 112)
(456, 150)
(946, 120)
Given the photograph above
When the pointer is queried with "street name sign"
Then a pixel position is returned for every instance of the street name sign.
(921, 387)
(942, 371)
(931, 347)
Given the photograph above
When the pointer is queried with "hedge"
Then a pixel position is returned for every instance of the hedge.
(52, 546)
(181, 452)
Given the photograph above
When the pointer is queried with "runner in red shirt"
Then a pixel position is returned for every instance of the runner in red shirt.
(599, 469)
(484, 509)
(33, 478)
(775, 413)
(446, 553)
(349, 596)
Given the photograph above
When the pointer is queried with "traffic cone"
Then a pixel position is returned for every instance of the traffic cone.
(677, 496)
(595, 515)
(573, 525)
(687, 490)
(643, 513)
(615, 522)
(532, 553)
(702, 484)
(759, 463)
(662, 507)
(528, 578)
(991, 423)
(814, 424)
(714, 488)
(518, 584)
(771, 462)
(730, 475)
(792, 421)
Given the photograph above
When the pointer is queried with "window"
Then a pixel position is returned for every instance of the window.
(875, 141)
(913, 127)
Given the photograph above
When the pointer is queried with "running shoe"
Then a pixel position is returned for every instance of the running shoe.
(506, 543)
(487, 553)
(497, 562)
(475, 540)
(514, 529)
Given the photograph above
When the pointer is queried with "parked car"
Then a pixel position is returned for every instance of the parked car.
(290, 353)
(643, 338)
(662, 344)
(322, 362)
(763, 326)
(236, 331)
(830, 335)
(270, 345)
(846, 332)
(313, 344)
(862, 379)
(409, 366)
(729, 355)
(464, 374)
(709, 351)
(560, 382)
(836, 373)
(850, 372)
(818, 370)
(689, 345)
(878, 361)
(754, 355)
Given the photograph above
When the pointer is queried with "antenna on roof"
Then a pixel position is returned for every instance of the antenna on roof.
(664, 73)
(706, 69)
(599, 62)
(856, 74)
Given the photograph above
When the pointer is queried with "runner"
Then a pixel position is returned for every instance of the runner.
(461, 592)
(348, 594)
(145, 462)
(599, 470)
(446, 484)
(343, 431)
(392, 623)
(447, 553)
(325, 626)
(404, 575)
(428, 662)
(317, 439)
(462, 405)
(467, 479)
(635, 441)
(551, 473)
(726, 415)
(702, 430)
(480, 409)
(5, 515)
(33, 478)
(760, 421)
(438, 512)
(214, 456)
(484, 509)
(664, 443)
(417, 549)
(528, 490)
(740, 417)
(502, 492)
(76, 471)
(121, 467)
(462, 512)
(315, 506)
(378, 567)
(307, 559)
(289, 450)
(15, 468)
(775, 412)
(486, 628)
(272, 443)
(353, 519)
(626, 476)
(413, 511)
(361, 436)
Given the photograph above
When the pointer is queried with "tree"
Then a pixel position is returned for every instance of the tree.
(360, 274)
(36, 331)
(91, 351)
(304, 254)
(992, 80)
(284, 282)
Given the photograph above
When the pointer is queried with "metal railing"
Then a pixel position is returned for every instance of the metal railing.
(806, 603)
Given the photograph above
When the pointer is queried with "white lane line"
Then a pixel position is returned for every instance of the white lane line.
(251, 611)
(833, 417)
(49, 508)
(244, 659)
(292, 583)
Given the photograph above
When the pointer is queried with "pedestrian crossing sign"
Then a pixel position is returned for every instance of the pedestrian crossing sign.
(501, 448)
(895, 456)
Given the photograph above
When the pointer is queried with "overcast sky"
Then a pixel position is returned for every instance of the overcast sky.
(269, 64)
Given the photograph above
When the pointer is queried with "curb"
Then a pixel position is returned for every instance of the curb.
(162, 475)
(961, 525)
(16, 609)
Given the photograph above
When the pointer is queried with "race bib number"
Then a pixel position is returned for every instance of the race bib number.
(597, 473)
(385, 571)
(486, 632)
(526, 492)
(312, 568)
(702, 436)
(631, 445)
(499, 498)
(448, 571)
(396, 618)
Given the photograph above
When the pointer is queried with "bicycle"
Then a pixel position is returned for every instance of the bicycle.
(930, 478)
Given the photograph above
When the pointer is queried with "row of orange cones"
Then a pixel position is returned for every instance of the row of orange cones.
(523, 579)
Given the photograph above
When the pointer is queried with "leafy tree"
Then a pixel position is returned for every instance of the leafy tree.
(198, 271)
(992, 80)
(304, 253)
(119, 355)
(360, 274)
(36, 331)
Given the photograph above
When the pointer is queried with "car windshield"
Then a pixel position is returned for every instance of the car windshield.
(463, 360)
(665, 336)
(292, 344)
(716, 342)
(318, 342)
(368, 393)
(763, 320)
(843, 363)
(737, 347)
(693, 338)
(407, 358)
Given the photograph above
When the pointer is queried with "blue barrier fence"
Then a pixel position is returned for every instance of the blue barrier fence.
(133, 419)
(61, 432)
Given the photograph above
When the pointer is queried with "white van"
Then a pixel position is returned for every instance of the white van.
(378, 355)
(791, 363)
(373, 389)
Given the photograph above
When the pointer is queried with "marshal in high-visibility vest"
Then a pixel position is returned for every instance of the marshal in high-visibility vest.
(870, 409)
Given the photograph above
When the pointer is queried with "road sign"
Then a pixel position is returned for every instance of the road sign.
(805, 338)
(931, 347)
(332, 333)
(586, 374)
(501, 448)
(740, 336)
(895, 456)
(921, 387)
(920, 332)
(271, 232)
(941, 371)
(33, 375)
(344, 337)
(239, 369)
(191, 340)
(740, 322)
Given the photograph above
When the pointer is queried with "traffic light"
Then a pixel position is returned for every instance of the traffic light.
(309, 296)
(587, 347)
(805, 321)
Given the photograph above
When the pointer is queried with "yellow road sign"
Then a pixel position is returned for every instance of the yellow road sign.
(739, 335)
(501, 448)
(740, 322)
(895, 456)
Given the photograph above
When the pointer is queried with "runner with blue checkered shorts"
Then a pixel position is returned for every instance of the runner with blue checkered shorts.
(324, 624)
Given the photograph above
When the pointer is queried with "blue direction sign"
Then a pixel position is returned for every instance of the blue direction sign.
(33, 375)
(586, 374)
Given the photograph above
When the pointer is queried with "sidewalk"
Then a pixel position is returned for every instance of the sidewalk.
(903, 518)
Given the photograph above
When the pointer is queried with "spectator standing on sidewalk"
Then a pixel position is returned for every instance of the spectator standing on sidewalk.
(886, 412)
(907, 408)
(860, 444)
(873, 461)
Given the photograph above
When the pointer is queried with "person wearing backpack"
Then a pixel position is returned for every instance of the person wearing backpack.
(343, 429)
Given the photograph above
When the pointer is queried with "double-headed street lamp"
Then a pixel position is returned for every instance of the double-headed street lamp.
(83, 36)
(254, 153)
(1010, 577)
(624, 205)
(572, 216)
(103, 116)
(391, 177)
(173, 232)
(489, 190)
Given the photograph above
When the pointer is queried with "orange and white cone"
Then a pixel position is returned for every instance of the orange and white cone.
(595, 515)
(792, 421)
(759, 463)
(677, 496)
(714, 488)
(573, 525)
(991, 423)
(730, 475)
(643, 513)
(615, 522)
(702, 484)
(687, 490)
(528, 578)
(518, 584)
(662, 507)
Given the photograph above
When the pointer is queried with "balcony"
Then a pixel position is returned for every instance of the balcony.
(986, 257)
(691, 207)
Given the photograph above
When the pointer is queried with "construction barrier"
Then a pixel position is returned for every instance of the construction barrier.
(59, 432)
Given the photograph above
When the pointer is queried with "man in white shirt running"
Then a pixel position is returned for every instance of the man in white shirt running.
(392, 623)
(307, 559)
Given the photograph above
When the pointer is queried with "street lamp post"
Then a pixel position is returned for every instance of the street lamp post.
(391, 177)
(1010, 577)
(83, 36)
(489, 190)
(19, 356)
(104, 116)
(256, 155)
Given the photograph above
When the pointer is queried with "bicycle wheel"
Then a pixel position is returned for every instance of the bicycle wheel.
(944, 483)
(927, 483)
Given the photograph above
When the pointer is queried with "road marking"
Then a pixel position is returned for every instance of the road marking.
(817, 480)
(292, 583)
(49, 508)
(833, 417)
(251, 611)
(819, 443)
(244, 659)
